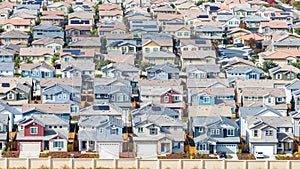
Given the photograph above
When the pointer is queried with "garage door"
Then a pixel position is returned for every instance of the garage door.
(146, 151)
(109, 150)
(265, 149)
(228, 148)
(30, 150)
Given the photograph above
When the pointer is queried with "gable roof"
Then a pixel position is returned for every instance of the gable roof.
(209, 68)
(30, 66)
(168, 68)
(47, 27)
(47, 108)
(14, 34)
(287, 68)
(7, 66)
(256, 110)
(46, 41)
(81, 15)
(211, 120)
(206, 83)
(20, 22)
(243, 70)
(275, 24)
(200, 54)
(160, 54)
(294, 84)
(36, 51)
(4, 107)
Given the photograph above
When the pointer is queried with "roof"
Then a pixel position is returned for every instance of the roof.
(50, 119)
(196, 42)
(21, 22)
(243, 70)
(275, 24)
(57, 12)
(263, 92)
(73, 81)
(256, 110)
(255, 18)
(234, 60)
(86, 42)
(5, 66)
(31, 66)
(288, 42)
(79, 27)
(47, 108)
(206, 83)
(168, 68)
(294, 84)
(45, 41)
(159, 41)
(110, 13)
(209, 111)
(36, 51)
(286, 68)
(273, 121)
(14, 34)
(174, 28)
(122, 67)
(102, 109)
(78, 52)
(81, 15)
(4, 106)
(121, 58)
(211, 120)
(47, 27)
(80, 65)
(108, 7)
(209, 68)
(208, 28)
(200, 54)
(22, 83)
(160, 54)
(281, 54)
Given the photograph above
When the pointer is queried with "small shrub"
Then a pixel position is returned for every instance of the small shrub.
(43, 167)
(229, 156)
(240, 151)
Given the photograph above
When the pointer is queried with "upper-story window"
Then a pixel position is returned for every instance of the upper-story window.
(255, 133)
(230, 132)
(166, 99)
(33, 130)
(206, 99)
(140, 130)
(269, 133)
(153, 131)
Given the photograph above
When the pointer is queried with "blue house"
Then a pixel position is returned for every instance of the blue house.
(47, 31)
(60, 93)
(37, 70)
(60, 110)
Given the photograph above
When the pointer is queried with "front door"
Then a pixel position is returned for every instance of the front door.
(211, 149)
(46, 145)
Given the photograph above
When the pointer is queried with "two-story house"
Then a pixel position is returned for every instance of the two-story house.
(77, 55)
(178, 31)
(102, 134)
(162, 72)
(253, 22)
(114, 28)
(270, 135)
(113, 90)
(14, 37)
(81, 18)
(197, 57)
(137, 28)
(202, 71)
(47, 31)
(157, 135)
(37, 133)
(62, 94)
(214, 134)
(37, 70)
(153, 42)
(120, 69)
(6, 55)
(209, 32)
(13, 114)
(37, 55)
(7, 69)
(17, 24)
(273, 26)
(86, 42)
(110, 12)
(56, 44)
(244, 72)
(77, 30)
(4, 130)
(159, 57)
(195, 44)
(121, 46)
(284, 72)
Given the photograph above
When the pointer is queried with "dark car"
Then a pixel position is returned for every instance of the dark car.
(222, 155)
(238, 45)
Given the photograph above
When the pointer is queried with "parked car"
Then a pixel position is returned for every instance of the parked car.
(245, 58)
(238, 45)
(259, 155)
(222, 155)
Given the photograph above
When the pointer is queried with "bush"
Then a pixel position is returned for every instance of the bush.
(240, 151)
(58, 75)
(229, 156)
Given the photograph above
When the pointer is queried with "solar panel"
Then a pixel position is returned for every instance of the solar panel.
(284, 13)
(156, 108)
(202, 42)
(72, 51)
(106, 26)
(5, 84)
(202, 16)
(101, 107)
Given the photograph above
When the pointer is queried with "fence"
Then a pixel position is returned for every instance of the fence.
(58, 163)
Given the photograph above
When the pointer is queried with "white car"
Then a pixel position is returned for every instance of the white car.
(259, 155)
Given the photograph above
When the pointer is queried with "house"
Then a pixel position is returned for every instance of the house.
(15, 91)
(287, 44)
(4, 130)
(284, 72)
(244, 72)
(58, 6)
(254, 111)
(110, 12)
(59, 110)
(56, 44)
(77, 31)
(153, 42)
(86, 43)
(52, 19)
(178, 31)
(162, 72)
(295, 120)
(164, 19)
(38, 132)
(62, 94)
(197, 57)
(202, 71)
(13, 114)
(209, 32)
(273, 97)
(7, 69)
(163, 8)
(290, 87)
(102, 134)
(14, 37)
(214, 134)
(250, 39)
(228, 21)
(120, 58)
(120, 69)
(244, 11)
(280, 57)
(137, 28)
(234, 62)
(113, 90)
(81, 18)
(6, 55)
(157, 135)
(77, 55)
(253, 22)
(121, 46)
(270, 135)
(28, 8)
(210, 110)
(37, 54)
(195, 44)
(104, 109)
(47, 31)
(159, 57)
(114, 28)
(281, 16)
(17, 24)
(37, 70)
(21, 15)
(272, 26)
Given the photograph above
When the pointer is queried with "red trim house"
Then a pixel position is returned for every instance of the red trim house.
(173, 100)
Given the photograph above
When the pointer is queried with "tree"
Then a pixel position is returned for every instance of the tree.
(296, 64)
(172, 5)
(268, 65)
(243, 25)
(292, 103)
(104, 63)
(38, 20)
(99, 2)
(17, 62)
(296, 5)
(54, 59)
(199, 3)
(94, 32)
(145, 65)
(28, 59)
(70, 9)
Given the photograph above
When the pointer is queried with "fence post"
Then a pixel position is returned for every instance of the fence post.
(6, 163)
(137, 163)
(115, 163)
(71, 163)
(93, 163)
(267, 164)
(289, 164)
(50, 162)
(224, 164)
(27, 163)
(158, 164)
(245, 164)
(203, 163)
(180, 164)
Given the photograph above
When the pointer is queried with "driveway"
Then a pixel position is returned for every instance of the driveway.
(267, 157)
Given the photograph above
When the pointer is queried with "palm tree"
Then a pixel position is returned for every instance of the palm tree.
(17, 62)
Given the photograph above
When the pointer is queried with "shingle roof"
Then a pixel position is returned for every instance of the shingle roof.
(7, 66)
(244, 70)
(210, 120)
(263, 92)
(48, 108)
(14, 34)
(30, 66)
(168, 68)
(198, 54)
(47, 27)
(294, 84)
(160, 54)
(256, 110)
(213, 68)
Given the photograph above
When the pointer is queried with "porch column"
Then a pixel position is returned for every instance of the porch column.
(215, 149)
(79, 145)
(87, 145)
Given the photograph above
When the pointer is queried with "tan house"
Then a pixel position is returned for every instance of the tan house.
(80, 18)
(116, 29)
(73, 55)
(37, 54)
(21, 15)
(56, 44)
(197, 57)
(159, 57)
(52, 19)
(17, 24)
(14, 37)
(154, 45)
(162, 18)
(110, 12)
(179, 31)
(280, 57)
(272, 26)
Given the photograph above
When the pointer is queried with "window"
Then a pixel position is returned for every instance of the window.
(59, 96)
(201, 146)
(64, 96)
(179, 33)
(201, 130)
(176, 98)
(230, 132)
(33, 130)
(21, 96)
(100, 130)
(289, 61)
(255, 98)
(165, 147)
(67, 59)
(140, 130)
(113, 98)
(46, 58)
(166, 99)
(7, 40)
(48, 97)
(255, 133)
(10, 96)
(249, 98)
(269, 133)
(147, 50)
(279, 145)
(278, 76)
(155, 49)
(269, 100)
(73, 109)
(58, 144)
(279, 99)
(114, 131)
(206, 99)
(47, 74)
(120, 98)
(212, 131)
(217, 131)
(186, 34)
(153, 131)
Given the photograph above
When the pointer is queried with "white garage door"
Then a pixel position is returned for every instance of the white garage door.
(30, 150)
(269, 150)
(109, 150)
(146, 151)
(228, 148)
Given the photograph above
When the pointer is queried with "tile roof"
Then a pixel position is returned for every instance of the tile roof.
(36, 51)
(21, 22)
(30, 66)
(275, 24)
(263, 92)
(209, 111)
(108, 7)
(46, 41)
(14, 34)
(200, 54)
(48, 108)
(244, 70)
(168, 68)
(74, 81)
(159, 54)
